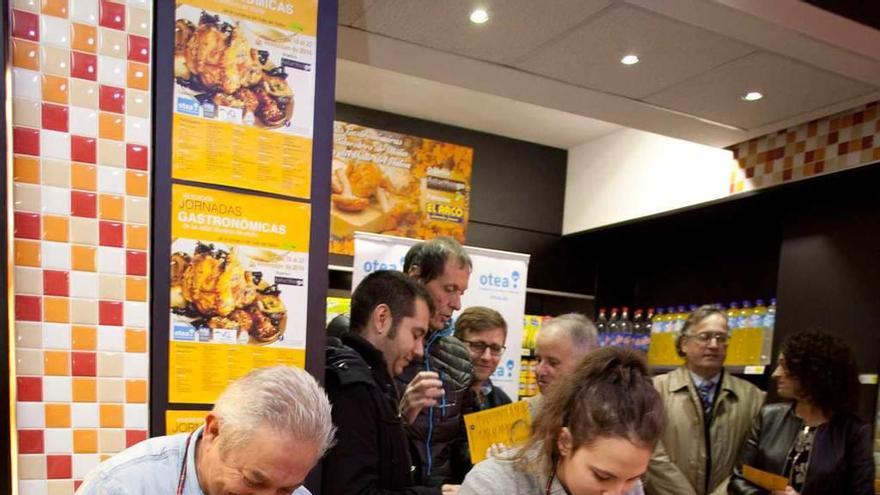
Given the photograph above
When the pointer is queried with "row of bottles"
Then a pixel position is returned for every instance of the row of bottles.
(617, 329)
(739, 316)
(528, 379)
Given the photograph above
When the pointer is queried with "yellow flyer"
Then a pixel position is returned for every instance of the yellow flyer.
(238, 293)
(183, 421)
(244, 93)
(509, 425)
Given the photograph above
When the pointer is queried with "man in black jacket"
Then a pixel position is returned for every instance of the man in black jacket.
(389, 320)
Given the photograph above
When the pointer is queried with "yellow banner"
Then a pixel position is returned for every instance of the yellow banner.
(300, 16)
(510, 425)
(183, 421)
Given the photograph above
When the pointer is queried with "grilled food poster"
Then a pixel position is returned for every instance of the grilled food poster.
(244, 76)
(394, 184)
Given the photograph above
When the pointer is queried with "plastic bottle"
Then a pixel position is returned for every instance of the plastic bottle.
(733, 315)
(681, 317)
(626, 328)
(770, 317)
(670, 320)
(613, 334)
(658, 322)
(602, 321)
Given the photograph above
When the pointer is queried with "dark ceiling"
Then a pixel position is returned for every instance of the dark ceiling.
(866, 12)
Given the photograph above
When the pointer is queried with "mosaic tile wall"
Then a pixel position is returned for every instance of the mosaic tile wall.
(81, 134)
(845, 140)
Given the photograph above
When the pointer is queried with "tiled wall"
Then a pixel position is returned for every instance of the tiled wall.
(845, 140)
(81, 134)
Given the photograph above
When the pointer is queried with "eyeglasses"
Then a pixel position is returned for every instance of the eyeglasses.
(706, 337)
(479, 348)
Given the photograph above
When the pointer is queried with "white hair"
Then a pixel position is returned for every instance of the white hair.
(579, 328)
(287, 400)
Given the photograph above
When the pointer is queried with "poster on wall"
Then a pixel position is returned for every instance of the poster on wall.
(244, 94)
(239, 272)
(498, 281)
(394, 184)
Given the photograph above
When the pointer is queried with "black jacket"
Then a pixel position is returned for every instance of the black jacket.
(372, 451)
(841, 461)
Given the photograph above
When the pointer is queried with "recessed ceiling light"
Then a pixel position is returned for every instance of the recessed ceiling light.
(479, 16)
(752, 96)
(630, 60)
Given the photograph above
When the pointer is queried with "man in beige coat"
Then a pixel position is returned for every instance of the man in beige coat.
(708, 411)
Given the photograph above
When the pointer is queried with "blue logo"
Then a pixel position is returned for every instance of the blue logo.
(184, 332)
(187, 105)
(374, 265)
(492, 281)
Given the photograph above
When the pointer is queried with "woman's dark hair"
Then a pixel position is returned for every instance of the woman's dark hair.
(610, 394)
(826, 369)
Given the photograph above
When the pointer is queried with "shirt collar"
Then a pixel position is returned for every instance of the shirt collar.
(487, 387)
(699, 380)
(191, 485)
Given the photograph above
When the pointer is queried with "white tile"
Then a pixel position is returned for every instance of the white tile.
(111, 338)
(137, 130)
(111, 180)
(57, 389)
(30, 415)
(26, 197)
(112, 71)
(33, 487)
(85, 11)
(84, 415)
(55, 200)
(54, 31)
(84, 284)
(54, 144)
(56, 336)
(136, 365)
(29, 5)
(136, 314)
(26, 84)
(137, 416)
(58, 441)
(28, 280)
(56, 255)
(83, 121)
(111, 260)
(143, 4)
(83, 464)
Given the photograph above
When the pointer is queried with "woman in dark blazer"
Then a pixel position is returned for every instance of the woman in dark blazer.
(815, 441)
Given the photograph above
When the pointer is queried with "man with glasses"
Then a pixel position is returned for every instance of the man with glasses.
(484, 331)
(708, 411)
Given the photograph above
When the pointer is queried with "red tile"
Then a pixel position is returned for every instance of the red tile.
(136, 156)
(110, 313)
(136, 263)
(750, 172)
(83, 65)
(111, 234)
(30, 441)
(28, 308)
(76, 484)
(83, 364)
(111, 99)
(787, 174)
(30, 388)
(112, 15)
(55, 117)
(819, 167)
(27, 225)
(867, 142)
(56, 283)
(25, 25)
(83, 149)
(26, 141)
(58, 467)
(138, 49)
(134, 436)
(83, 204)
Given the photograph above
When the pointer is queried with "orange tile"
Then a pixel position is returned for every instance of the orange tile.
(85, 441)
(83, 338)
(135, 289)
(111, 207)
(135, 341)
(27, 253)
(58, 8)
(138, 76)
(82, 258)
(136, 183)
(25, 54)
(136, 391)
(85, 390)
(56, 309)
(55, 228)
(56, 89)
(111, 415)
(136, 236)
(56, 363)
(57, 415)
(26, 169)
(84, 37)
(83, 176)
(111, 126)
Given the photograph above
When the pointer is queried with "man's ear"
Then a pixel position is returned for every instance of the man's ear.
(381, 319)
(564, 441)
(415, 271)
(212, 427)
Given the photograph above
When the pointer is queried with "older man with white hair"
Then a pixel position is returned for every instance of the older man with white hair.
(266, 432)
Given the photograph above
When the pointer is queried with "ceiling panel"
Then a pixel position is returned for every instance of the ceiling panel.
(670, 52)
(352, 10)
(790, 88)
(515, 27)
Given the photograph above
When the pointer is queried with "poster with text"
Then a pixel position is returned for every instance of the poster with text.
(389, 183)
(244, 90)
(239, 272)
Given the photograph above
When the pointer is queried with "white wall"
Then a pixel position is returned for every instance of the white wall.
(630, 174)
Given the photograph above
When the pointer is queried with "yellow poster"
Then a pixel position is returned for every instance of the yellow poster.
(393, 184)
(244, 93)
(183, 421)
(509, 425)
(239, 272)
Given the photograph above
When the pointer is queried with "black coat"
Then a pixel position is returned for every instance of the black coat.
(841, 461)
(372, 451)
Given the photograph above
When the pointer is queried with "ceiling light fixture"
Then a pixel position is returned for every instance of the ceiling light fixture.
(479, 16)
(630, 60)
(752, 96)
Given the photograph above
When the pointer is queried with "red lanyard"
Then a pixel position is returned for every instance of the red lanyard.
(182, 480)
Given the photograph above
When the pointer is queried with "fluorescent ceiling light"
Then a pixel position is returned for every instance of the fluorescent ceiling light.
(479, 16)
(630, 60)
(752, 96)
